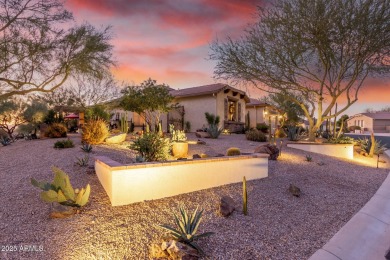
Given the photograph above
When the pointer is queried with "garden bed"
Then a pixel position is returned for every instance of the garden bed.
(126, 184)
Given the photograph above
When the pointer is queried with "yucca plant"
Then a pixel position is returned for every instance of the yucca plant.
(188, 226)
(309, 158)
(86, 147)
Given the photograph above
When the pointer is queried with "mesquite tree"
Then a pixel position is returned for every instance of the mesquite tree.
(323, 50)
(40, 51)
(150, 100)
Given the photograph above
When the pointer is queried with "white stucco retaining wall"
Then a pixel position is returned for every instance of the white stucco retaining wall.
(337, 150)
(126, 184)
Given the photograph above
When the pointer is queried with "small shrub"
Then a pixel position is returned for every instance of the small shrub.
(341, 140)
(263, 127)
(83, 161)
(151, 147)
(309, 158)
(352, 128)
(232, 151)
(293, 133)
(255, 135)
(95, 132)
(56, 130)
(187, 226)
(86, 147)
(61, 191)
(5, 140)
(67, 143)
(279, 133)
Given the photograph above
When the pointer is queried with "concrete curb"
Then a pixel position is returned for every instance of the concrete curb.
(366, 235)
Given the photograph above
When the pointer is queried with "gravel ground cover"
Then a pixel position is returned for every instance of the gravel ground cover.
(279, 226)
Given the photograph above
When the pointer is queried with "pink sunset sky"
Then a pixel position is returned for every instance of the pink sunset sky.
(168, 40)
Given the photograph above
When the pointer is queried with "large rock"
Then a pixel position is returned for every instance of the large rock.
(226, 206)
(202, 134)
(116, 139)
(270, 149)
(294, 190)
(179, 251)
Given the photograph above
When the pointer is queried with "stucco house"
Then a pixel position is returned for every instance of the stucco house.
(378, 122)
(260, 112)
(191, 104)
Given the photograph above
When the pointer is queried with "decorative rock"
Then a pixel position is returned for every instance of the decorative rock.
(180, 251)
(196, 156)
(116, 139)
(60, 211)
(202, 134)
(270, 149)
(294, 190)
(226, 206)
(157, 252)
(200, 142)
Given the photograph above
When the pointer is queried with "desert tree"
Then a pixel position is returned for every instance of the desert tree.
(41, 48)
(84, 91)
(322, 50)
(12, 114)
(150, 100)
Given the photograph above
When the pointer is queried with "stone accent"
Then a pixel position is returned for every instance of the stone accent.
(270, 149)
(226, 206)
(116, 139)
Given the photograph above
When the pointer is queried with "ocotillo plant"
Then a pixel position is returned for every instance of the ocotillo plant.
(244, 197)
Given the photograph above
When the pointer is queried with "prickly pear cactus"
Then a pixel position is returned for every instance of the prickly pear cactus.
(61, 191)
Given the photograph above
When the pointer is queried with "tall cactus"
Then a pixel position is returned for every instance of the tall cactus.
(124, 124)
(247, 121)
(244, 197)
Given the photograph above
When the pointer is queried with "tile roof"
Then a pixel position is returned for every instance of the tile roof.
(203, 90)
(378, 115)
(256, 102)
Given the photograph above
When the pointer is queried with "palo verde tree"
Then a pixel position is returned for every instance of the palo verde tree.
(322, 50)
(150, 100)
(38, 55)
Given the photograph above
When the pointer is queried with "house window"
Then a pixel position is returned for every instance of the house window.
(225, 108)
(232, 111)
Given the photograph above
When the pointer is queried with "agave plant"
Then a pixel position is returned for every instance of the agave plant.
(86, 147)
(83, 161)
(188, 226)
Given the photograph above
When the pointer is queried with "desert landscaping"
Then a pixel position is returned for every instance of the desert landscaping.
(278, 225)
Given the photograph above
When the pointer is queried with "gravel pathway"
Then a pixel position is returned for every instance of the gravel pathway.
(279, 226)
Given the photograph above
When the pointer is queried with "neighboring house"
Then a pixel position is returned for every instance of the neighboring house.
(191, 104)
(260, 112)
(219, 99)
(378, 122)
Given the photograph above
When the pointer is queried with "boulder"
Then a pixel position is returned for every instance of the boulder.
(116, 139)
(202, 134)
(179, 251)
(226, 206)
(294, 190)
(270, 149)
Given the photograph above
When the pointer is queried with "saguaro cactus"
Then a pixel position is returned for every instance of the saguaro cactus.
(244, 197)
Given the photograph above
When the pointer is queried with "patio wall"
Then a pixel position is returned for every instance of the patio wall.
(126, 184)
(336, 150)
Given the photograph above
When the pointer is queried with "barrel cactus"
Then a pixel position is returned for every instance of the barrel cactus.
(61, 190)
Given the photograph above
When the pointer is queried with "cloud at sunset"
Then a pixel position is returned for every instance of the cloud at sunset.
(170, 40)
